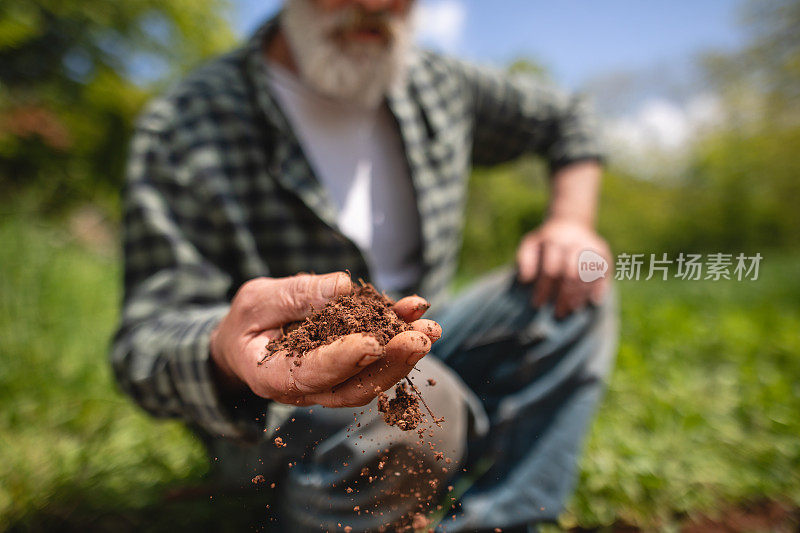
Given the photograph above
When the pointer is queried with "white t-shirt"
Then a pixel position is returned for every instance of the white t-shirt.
(357, 154)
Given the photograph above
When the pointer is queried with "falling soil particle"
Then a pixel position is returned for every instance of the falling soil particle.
(259, 479)
(431, 382)
(403, 410)
(419, 521)
(279, 442)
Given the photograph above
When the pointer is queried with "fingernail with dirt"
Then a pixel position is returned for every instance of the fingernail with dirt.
(414, 358)
(368, 359)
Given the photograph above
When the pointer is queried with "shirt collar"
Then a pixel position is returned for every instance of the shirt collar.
(254, 65)
(415, 105)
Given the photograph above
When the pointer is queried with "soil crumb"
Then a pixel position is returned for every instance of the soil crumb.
(258, 480)
(363, 311)
(403, 410)
(419, 521)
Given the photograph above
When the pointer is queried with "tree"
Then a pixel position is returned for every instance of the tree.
(762, 81)
(69, 91)
(743, 186)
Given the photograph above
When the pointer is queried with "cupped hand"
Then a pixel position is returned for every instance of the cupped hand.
(350, 371)
(548, 258)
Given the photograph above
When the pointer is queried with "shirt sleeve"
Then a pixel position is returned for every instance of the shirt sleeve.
(174, 297)
(519, 114)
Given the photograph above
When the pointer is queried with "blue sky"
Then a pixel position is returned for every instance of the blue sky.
(577, 40)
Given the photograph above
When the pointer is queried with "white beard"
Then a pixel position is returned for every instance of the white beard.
(360, 73)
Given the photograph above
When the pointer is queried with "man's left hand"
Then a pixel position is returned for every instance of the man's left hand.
(548, 256)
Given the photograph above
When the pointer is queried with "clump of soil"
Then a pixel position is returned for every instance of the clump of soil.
(367, 311)
(363, 311)
(403, 410)
(419, 521)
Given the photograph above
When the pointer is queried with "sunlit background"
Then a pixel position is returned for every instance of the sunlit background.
(641, 61)
(700, 109)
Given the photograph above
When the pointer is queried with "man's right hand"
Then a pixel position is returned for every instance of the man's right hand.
(346, 373)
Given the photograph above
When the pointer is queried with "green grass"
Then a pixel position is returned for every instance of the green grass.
(703, 408)
(704, 404)
(68, 440)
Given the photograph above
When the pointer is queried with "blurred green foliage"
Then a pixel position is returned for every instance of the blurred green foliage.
(66, 433)
(741, 193)
(764, 77)
(67, 90)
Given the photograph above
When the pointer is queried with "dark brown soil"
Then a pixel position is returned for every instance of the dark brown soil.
(769, 516)
(403, 410)
(363, 311)
(763, 516)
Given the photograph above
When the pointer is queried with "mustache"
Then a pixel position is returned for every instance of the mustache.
(356, 19)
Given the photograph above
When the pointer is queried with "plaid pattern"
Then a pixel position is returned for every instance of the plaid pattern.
(218, 191)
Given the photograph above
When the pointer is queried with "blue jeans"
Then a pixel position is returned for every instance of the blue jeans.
(538, 380)
(517, 389)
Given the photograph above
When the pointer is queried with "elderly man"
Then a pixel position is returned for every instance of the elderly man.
(328, 143)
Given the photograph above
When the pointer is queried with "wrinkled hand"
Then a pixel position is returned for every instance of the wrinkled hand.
(346, 373)
(548, 256)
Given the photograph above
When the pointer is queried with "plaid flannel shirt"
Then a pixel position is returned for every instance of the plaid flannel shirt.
(218, 191)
